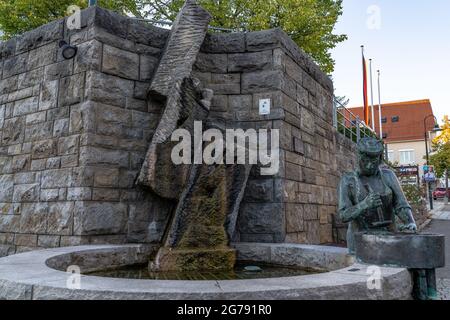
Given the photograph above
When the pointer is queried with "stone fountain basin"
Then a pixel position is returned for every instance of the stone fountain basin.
(41, 275)
(416, 251)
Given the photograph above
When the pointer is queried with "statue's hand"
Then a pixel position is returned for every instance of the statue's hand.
(373, 201)
(410, 227)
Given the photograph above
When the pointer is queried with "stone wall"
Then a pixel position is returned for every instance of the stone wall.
(73, 134)
(297, 204)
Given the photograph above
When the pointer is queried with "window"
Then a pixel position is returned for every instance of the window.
(383, 120)
(391, 156)
(407, 157)
(396, 119)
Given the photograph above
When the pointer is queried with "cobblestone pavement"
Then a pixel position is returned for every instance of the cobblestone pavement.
(441, 224)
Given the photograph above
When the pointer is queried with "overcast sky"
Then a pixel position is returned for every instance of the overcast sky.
(409, 43)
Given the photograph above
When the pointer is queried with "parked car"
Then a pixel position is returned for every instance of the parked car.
(439, 193)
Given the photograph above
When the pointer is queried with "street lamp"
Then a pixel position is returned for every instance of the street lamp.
(436, 128)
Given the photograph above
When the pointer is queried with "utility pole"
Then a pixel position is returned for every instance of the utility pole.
(446, 186)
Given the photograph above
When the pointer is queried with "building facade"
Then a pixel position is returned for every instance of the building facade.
(404, 127)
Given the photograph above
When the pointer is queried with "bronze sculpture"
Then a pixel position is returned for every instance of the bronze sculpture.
(371, 198)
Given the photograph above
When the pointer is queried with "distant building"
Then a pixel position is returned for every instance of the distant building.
(404, 131)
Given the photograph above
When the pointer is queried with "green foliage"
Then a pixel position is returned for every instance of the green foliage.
(309, 23)
(413, 193)
(18, 16)
(441, 159)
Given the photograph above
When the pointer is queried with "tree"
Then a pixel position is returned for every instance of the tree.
(18, 16)
(444, 137)
(441, 159)
(309, 23)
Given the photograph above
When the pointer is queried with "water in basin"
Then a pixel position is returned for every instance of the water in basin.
(241, 271)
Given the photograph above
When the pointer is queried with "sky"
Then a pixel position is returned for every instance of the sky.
(408, 40)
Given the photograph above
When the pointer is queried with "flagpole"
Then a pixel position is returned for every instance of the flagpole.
(379, 106)
(366, 120)
(371, 97)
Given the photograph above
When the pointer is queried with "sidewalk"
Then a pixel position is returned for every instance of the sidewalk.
(440, 223)
(440, 211)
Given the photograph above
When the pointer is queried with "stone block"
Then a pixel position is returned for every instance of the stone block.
(53, 163)
(262, 81)
(26, 193)
(46, 241)
(39, 131)
(311, 212)
(25, 106)
(9, 223)
(255, 218)
(144, 33)
(20, 163)
(15, 65)
(59, 70)
(6, 238)
(7, 187)
(259, 191)
(82, 118)
(26, 177)
(48, 195)
(31, 78)
(69, 161)
(97, 218)
(71, 90)
(224, 43)
(68, 145)
(37, 165)
(49, 95)
(312, 232)
(44, 149)
(105, 194)
(42, 56)
(89, 56)
(8, 85)
(240, 102)
(147, 67)
(33, 218)
(60, 218)
(100, 156)
(120, 63)
(22, 94)
(36, 117)
(56, 178)
(105, 177)
(61, 127)
(25, 240)
(263, 40)
(211, 63)
(251, 61)
(108, 89)
(79, 193)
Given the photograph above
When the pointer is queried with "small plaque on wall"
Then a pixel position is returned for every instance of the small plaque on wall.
(264, 106)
